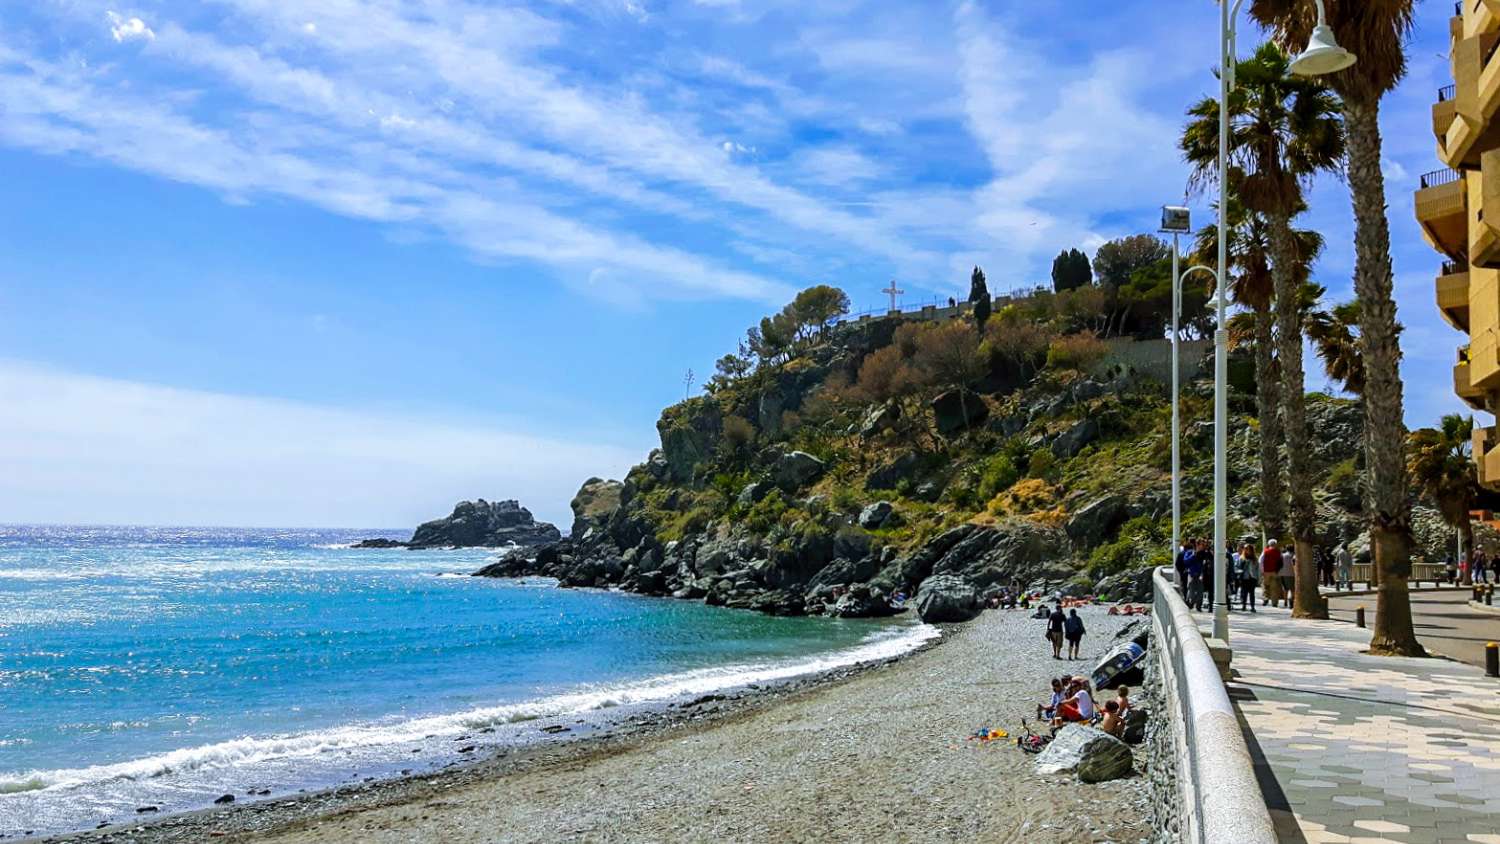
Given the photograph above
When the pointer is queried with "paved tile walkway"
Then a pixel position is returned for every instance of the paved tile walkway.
(1355, 748)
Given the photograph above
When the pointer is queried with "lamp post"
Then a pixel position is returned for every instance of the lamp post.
(1176, 219)
(1323, 55)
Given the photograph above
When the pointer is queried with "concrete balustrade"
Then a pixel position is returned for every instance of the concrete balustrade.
(1220, 800)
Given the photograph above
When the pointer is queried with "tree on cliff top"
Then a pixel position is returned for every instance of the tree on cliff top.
(1070, 271)
(1117, 260)
(817, 306)
(979, 296)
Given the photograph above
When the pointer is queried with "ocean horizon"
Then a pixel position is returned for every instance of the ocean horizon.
(167, 666)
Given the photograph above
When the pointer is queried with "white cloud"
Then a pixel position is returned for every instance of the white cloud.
(146, 454)
(128, 29)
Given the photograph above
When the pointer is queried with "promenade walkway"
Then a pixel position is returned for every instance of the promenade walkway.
(1354, 748)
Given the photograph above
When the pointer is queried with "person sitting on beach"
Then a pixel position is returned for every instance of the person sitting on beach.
(1112, 723)
(1046, 713)
(1122, 700)
(1079, 707)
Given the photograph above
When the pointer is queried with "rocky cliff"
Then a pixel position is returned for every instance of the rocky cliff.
(796, 489)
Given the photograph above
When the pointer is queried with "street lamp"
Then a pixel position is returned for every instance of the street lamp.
(1176, 220)
(1323, 55)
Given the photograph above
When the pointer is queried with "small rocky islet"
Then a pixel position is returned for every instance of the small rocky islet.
(476, 524)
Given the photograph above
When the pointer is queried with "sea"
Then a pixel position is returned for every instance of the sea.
(166, 667)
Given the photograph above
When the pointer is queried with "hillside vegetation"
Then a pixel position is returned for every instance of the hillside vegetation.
(828, 466)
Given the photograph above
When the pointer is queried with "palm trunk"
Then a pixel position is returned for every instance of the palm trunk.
(1385, 432)
(1309, 602)
(1267, 405)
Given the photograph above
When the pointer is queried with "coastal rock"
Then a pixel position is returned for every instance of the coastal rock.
(892, 472)
(1094, 755)
(379, 542)
(1072, 441)
(594, 505)
(947, 598)
(223, 799)
(1096, 521)
(957, 410)
(1131, 586)
(476, 524)
(1136, 720)
(796, 469)
(877, 515)
(689, 434)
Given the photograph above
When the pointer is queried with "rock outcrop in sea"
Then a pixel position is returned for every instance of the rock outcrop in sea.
(477, 524)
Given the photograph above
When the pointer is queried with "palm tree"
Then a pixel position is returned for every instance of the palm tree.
(1250, 284)
(1283, 131)
(1335, 336)
(1441, 467)
(1376, 32)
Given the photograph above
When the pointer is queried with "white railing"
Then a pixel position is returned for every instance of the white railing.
(1221, 801)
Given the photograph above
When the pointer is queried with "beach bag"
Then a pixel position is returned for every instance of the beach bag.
(1030, 742)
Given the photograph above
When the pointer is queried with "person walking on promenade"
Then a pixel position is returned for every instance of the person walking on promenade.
(1183, 554)
(1481, 567)
(1495, 567)
(1194, 565)
(1325, 567)
(1247, 572)
(1270, 566)
(1073, 629)
(1055, 623)
(1345, 564)
(1288, 574)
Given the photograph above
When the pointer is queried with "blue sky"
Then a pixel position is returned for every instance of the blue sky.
(344, 262)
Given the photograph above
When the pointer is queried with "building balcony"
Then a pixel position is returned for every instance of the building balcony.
(1472, 394)
(1477, 17)
(1453, 294)
(1442, 211)
(1444, 111)
(1487, 461)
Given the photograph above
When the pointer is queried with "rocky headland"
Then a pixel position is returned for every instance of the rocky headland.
(856, 468)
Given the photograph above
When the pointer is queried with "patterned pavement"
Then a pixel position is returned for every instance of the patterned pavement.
(1355, 748)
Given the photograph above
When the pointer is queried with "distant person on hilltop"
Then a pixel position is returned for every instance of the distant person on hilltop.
(1055, 622)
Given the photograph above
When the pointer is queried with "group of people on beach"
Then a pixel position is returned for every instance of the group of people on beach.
(1072, 702)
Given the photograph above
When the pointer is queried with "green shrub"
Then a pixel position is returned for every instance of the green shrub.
(996, 475)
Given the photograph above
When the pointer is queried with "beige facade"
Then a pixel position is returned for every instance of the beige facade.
(1451, 205)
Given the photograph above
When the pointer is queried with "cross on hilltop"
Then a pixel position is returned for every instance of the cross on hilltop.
(893, 291)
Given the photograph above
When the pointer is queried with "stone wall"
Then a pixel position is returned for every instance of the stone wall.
(1161, 756)
(1154, 357)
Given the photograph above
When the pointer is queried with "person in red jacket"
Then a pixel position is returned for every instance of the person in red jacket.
(1270, 566)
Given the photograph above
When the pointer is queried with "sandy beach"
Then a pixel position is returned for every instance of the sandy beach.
(883, 756)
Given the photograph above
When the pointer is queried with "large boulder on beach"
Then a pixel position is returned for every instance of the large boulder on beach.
(1091, 753)
(484, 524)
(947, 598)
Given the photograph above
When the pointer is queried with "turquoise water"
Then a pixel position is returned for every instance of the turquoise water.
(168, 666)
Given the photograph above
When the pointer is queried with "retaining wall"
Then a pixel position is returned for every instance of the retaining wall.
(1206, 775)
